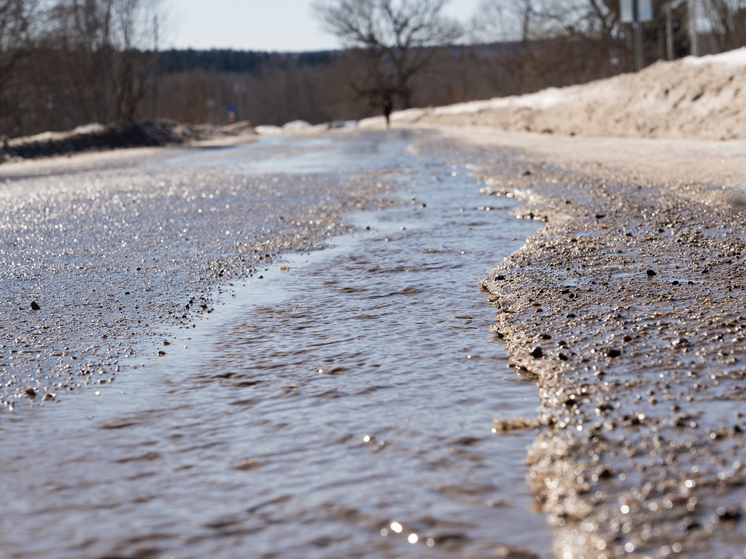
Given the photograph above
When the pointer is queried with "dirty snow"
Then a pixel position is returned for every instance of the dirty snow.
(687, 98)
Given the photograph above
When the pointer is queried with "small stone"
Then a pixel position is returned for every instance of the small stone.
(627, 338)
(730, 513)
(603, 472)
(35, 306)
(650, 273)
(537, 353)
(546, 337)
(571, 315)
(30, 392)
(563, 357)
(612, 352)
(499, 277)
(600, 216)
(161, 353)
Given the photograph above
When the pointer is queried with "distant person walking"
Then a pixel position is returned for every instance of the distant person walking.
(386, 110)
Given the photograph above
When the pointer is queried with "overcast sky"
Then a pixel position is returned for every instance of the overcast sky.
(274, 25)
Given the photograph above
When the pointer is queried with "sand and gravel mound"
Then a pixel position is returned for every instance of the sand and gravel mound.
(695, 97)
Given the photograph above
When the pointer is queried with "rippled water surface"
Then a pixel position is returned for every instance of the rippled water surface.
(341, 408)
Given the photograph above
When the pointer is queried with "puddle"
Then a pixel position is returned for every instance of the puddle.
(332, 153)
(339, 408)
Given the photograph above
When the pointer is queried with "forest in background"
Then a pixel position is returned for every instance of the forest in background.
(67, 63)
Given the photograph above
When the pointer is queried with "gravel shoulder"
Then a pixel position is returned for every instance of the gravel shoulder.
(628, 309)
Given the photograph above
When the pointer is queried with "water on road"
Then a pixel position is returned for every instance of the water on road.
(339, 406)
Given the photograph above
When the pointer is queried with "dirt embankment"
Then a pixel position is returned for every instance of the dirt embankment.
(703, 98)
(94, 137)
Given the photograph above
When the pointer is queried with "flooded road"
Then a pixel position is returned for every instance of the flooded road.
(336, 404)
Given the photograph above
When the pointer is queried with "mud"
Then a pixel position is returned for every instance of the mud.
(627, 309)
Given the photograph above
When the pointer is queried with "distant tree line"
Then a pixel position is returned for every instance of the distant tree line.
(65, 63)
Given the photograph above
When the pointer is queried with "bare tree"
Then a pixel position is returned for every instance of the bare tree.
(550, 42)
(136, 33)
(727, 19)
(16, 19)
(109, 50)
(394, 40)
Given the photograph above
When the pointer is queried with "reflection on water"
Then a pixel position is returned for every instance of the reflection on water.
(339, 409)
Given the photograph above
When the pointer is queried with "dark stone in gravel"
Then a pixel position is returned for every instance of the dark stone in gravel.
(650, 273)
(537, 353)
(35, 306)
(612, 352)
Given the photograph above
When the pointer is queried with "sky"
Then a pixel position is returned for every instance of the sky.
(267, 25)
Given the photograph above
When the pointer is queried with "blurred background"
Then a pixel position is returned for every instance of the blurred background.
(66, 63)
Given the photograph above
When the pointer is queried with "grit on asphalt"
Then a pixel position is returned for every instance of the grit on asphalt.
(97, 249)
(627, 309)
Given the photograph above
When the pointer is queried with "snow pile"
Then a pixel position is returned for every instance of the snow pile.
(734, 58)
(268, 130)
(701, 97)
(97, 137)
(92, 128)
(296, 126)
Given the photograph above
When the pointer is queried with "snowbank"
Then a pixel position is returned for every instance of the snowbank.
(119, 135)
(296, 126)
(701, 97)
(268, 130)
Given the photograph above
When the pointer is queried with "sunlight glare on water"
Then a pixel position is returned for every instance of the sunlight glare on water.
(340, 408)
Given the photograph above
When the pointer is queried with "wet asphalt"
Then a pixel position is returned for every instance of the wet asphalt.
(98, 253)
(627, 309)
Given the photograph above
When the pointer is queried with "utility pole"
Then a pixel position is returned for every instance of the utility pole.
(638, 34)
(636, 12)
(669, 32)
(693, 42)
